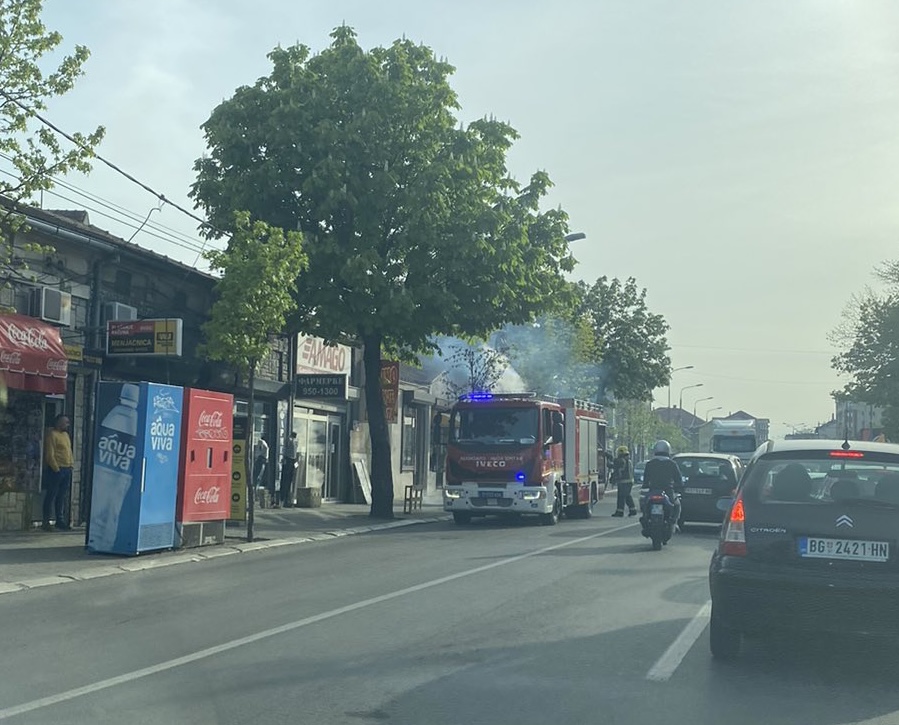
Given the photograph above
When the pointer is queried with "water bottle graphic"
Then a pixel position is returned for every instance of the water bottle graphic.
(114, 467)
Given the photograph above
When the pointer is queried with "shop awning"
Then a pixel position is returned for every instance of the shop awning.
(31, 355)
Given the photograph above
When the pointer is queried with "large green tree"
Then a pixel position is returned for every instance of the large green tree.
(34, 150)
(253, 298)
(629, 341)
(412, 222)
(869, 335)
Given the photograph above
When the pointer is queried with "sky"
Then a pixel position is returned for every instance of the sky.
(740, 159)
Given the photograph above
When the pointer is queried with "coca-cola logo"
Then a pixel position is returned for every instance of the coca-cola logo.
(28, 336)
(10, 358)
(207, 495)
(210, 420)
(58, 366)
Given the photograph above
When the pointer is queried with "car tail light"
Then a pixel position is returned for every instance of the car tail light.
(847, 454)
(733, 542)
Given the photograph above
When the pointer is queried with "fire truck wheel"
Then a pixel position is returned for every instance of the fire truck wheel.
(461, 518)
(552, 518)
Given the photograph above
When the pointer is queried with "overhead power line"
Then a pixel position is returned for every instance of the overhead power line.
(161, 197)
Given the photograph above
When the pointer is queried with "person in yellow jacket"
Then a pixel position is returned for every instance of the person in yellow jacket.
(58, 477)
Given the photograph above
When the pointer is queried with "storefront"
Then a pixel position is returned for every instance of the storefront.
(33, 376)
(320, 413)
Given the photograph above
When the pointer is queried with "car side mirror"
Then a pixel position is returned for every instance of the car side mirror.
(725, 503)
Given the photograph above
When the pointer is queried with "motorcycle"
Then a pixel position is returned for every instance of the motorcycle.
(659, 518)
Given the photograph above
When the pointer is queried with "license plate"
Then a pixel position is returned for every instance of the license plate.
(657, 508)
(812, 547)
(490, 494)
(699, 491)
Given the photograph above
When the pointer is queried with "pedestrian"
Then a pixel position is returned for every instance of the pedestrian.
(288, 470)
(58, 477)
(623, 476)
(260, 457)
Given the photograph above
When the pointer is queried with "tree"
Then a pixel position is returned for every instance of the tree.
(253, 299)
(412, 223)
(474, 368)
(36, 154)
(639, 428)
(629, 340)
(870, 334)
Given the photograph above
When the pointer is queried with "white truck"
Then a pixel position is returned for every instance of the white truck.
(739, 438)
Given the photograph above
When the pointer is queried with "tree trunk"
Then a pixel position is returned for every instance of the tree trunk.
(379, 433)
(251, 498)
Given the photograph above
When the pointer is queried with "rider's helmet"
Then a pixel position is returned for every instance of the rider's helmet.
(661, 448)
(622, 451)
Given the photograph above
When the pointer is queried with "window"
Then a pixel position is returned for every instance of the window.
(407, 457)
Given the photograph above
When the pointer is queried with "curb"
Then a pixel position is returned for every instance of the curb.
(135, 565)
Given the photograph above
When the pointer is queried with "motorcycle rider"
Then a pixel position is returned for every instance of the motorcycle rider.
(623, 476)
(662, 474)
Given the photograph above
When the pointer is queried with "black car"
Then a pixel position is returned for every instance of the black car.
(707, 478)
(810, 544)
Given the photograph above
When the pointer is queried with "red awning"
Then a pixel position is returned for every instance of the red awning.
(31, 355)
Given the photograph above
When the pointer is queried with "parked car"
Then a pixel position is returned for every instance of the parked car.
(809, 544)
(707, 478)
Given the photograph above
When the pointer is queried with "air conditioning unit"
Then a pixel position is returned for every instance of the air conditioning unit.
(52, 305)
(118, 311)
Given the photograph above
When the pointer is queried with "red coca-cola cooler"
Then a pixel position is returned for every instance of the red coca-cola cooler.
(204, 482)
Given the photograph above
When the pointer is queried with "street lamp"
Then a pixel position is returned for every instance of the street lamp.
(681, 397)
(685, 367)
(711, 397)
(680, 404)
(712, 410)
(575, 237)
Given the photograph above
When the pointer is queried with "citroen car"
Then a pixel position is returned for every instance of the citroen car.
(810, 543)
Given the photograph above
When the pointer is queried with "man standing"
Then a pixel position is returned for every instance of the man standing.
(623, 476)
(59, 460)
(260, 464)
(288, 470)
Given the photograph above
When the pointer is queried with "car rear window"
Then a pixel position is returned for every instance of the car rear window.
(816, 479)
(706, 468)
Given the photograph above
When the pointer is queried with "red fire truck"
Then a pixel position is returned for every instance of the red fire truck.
(517, 453)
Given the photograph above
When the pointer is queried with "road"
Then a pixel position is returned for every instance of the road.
(429, 625)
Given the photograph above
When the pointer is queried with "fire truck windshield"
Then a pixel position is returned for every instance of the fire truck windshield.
(494, 426)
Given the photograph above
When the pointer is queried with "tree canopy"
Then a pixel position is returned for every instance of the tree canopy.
(412, 222)
(630, 341)
(870, 337)
(35, 152)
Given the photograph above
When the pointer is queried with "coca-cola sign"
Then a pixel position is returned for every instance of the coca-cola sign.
(32, 351)
(57, 365)
(207, 495)
(211, 426)
(32, 337)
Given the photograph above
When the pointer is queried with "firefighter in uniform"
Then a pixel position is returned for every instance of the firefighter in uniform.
(623, 476)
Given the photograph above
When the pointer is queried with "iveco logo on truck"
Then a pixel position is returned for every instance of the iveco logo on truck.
(490, 464)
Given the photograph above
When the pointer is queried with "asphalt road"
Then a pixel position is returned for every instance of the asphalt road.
(429, 625)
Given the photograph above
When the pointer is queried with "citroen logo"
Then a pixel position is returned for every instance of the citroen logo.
(844, 520)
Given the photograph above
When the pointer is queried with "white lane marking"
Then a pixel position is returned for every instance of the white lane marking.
(663, 669)
(275, 631)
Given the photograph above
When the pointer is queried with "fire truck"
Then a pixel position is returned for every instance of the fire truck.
(514, 454)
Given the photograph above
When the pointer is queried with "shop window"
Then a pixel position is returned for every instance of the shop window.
(407, 457)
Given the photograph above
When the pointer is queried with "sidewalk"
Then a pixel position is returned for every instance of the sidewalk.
(38, 558)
